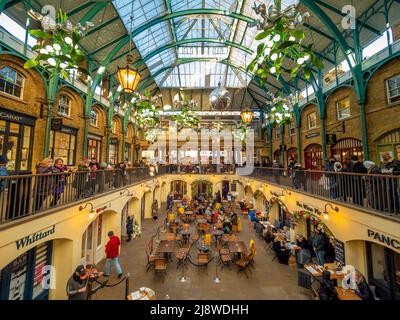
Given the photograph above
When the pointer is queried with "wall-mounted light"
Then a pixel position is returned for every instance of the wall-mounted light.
(282, 196)
(126, 190)
(91, 212)
(326, 213)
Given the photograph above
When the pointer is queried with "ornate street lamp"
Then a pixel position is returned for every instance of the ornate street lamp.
(247, 116)
(128, 77)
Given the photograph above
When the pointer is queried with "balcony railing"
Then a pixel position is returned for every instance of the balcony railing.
(26, 195)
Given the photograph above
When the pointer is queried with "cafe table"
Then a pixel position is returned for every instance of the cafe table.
(142, 294)
(347, 294)
(237, 247)
(166, 247)
(188, 215)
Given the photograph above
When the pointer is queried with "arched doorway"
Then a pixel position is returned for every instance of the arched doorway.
(157, 195)
(203, 188)
(164, 192)
(259, 201)
(313, 157)
(178, 189)
(389, 142)
(92, 240)
(131, 209)
(147, 201)
(277, 155)
(292, 154)
(248, 193)
(344, 149)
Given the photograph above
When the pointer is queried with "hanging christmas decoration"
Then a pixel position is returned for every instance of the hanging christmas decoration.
(281, 111)
(57, 49)
(220, 98)
(282, 40)
(186, 117)
(147, 111)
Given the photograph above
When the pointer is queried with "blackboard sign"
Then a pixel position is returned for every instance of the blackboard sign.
(339, 253)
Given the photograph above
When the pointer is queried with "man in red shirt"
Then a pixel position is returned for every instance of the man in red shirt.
(112, 252)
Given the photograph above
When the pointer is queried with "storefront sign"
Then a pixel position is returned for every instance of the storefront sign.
(339, 252)
(28, 240)
(312, 135)
(308, 208)
(13, 116)
(394, 243)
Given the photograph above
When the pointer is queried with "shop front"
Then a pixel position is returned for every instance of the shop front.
(390, 142)
(113, 153)
(178, 189)
(344, 149)
(292, 154)
(94, 147)
(63, 145)
(313, 157)
(23, 278)
(383, 265)
(16, 140)
(92, 245)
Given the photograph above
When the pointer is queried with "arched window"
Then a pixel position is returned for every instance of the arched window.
(64, 105)
(11, 82)
(114, 126)
(94, 118)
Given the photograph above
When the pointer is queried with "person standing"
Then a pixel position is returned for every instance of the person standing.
(59, 180)
(319, 246)
(391, 167)
(112, 252)
(43, 182)
(276, 171)
(129, 228)
(3, 173)
(330, 167)
(358, 187)
(154, 210)
(76, 286)
(218, 196)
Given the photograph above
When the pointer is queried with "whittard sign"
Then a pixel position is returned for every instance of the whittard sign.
(31, 239)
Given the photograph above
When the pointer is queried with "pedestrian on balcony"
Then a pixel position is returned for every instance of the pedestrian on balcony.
(81, 182)
(276, 171)
(59, 180)
(3, 173)
(391, 168)
(329, 167)
(112, 254)
(43, 185)
(101, 178)
(373, 188)
(299, 177)
(357, 181)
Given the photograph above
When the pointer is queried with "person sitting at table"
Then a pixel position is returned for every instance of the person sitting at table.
(327, 289)
(280, 250)
(234, 218)
(286, 233)
(302, 242)
(363, 290)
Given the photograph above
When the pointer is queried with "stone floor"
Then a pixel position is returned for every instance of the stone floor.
(269, 281)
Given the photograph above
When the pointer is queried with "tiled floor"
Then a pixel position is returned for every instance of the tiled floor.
(269, 281)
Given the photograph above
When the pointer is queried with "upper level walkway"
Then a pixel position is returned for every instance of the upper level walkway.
(26, 195)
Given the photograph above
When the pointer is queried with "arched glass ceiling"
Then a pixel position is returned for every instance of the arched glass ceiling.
(197, 74)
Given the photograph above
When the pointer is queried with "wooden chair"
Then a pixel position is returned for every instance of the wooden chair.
(244, 264)
(232, 237)
(207, 239)
(160, 265)
(150, 259)
(171, 236)
(225, 260)
(181, 258)
(202, 259)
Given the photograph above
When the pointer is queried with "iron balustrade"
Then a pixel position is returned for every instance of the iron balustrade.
(26, 195)
(377, 192)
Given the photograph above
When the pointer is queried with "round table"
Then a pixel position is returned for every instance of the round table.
(203, 248)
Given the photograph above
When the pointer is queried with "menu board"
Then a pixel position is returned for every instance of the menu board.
(339, 253)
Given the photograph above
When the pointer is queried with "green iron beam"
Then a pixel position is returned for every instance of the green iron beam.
(102, 25)
(80, 8)
(98, 7)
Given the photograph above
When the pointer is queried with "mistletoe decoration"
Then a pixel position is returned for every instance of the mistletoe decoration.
(281, 111)
(57, 49)
(241, 133)
(186, 118)
(151, 135)
(146, 111)
(282, 40)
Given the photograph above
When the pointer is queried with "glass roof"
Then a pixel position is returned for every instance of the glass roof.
(174, 44)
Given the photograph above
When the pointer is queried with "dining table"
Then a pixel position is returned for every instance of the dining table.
(347, 294)
(237, 248)
(166, 247)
